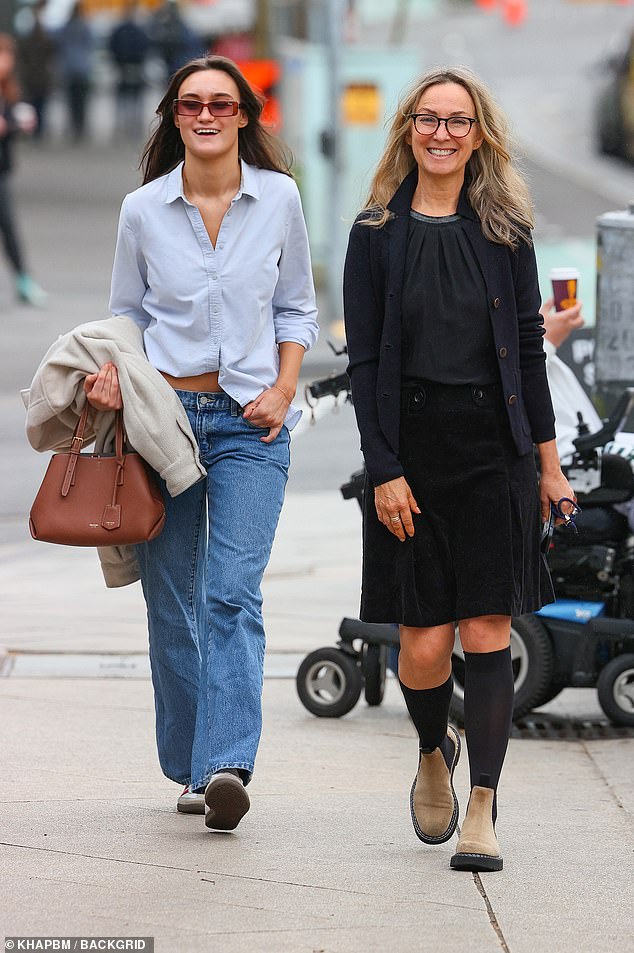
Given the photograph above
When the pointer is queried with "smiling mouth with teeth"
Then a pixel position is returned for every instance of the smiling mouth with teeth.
(207, 132)
(442, 152)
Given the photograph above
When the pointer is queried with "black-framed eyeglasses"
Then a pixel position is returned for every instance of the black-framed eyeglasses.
(223, 108)
(457, 126)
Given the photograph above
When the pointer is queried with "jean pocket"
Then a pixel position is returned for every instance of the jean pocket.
(263, 430)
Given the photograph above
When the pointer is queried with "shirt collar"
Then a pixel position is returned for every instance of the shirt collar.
(401, 201)
(249, 183)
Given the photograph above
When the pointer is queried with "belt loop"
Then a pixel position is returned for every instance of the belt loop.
(235, 408)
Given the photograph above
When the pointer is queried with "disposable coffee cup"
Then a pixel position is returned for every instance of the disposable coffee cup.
(564, 281)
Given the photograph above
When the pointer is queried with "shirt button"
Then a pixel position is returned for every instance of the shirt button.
(496, 302)
(221, 245)
(216, 310)
(503, 351)
(214, 276)
(512, 399)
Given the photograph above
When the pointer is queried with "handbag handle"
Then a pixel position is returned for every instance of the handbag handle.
(78, 441)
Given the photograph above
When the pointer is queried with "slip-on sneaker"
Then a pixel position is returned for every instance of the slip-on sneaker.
(433, 802)
(226, 801)
(191, 802)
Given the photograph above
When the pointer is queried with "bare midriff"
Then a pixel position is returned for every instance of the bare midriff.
(200, 382)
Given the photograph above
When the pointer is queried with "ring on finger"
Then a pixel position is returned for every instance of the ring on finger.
(395, 519)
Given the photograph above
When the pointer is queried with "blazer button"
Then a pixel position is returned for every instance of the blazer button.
(503, 351)
(496, 302)
(387, 347)
(386, 393)
(512, 398)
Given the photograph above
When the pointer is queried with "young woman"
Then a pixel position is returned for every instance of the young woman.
(212, 262)
(450, 393)
(11, 123)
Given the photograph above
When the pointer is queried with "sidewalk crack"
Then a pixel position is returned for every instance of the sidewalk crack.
(76, 853)
(493, 920)
(285, 883)
(619, 802)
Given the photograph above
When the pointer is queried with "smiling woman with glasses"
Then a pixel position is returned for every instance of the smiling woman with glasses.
(217, 203)
(449, 387)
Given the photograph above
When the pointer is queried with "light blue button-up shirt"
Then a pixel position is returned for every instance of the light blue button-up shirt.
(225, 308)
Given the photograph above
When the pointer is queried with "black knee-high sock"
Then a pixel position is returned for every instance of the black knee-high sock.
(429, 710)
(488, 713)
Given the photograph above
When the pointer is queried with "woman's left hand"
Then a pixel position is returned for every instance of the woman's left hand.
(553, 486)
(268, 410)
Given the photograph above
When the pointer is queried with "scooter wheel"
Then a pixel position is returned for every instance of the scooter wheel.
(329, 683)
(374, 669)
(615, 688)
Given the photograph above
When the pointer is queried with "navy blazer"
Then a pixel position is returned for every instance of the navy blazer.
(372, 285)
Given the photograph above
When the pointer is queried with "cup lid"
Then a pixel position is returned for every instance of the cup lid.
(563, 274)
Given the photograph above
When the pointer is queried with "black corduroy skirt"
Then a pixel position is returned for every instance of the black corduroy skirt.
(476, 546)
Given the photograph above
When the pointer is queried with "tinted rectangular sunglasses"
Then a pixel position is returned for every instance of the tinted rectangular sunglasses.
(223, 108)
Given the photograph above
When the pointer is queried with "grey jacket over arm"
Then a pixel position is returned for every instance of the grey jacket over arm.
(155, 420)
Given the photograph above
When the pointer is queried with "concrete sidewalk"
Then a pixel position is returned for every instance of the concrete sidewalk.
(326, 860)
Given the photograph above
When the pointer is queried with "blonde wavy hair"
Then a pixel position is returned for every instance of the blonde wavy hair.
(497, 191)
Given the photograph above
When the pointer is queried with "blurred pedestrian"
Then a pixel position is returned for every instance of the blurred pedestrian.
(36, 61)
(174, 41)
(15, 117)
(75, 47)
(217, 206)
(450, 393)
(129, 46)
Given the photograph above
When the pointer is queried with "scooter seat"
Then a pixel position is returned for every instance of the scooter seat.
(617, 483)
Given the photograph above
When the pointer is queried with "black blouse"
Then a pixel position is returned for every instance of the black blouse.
(447, 335)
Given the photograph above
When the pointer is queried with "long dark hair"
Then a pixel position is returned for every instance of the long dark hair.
(256, 145)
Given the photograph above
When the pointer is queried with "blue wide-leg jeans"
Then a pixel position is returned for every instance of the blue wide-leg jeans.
(201, 580)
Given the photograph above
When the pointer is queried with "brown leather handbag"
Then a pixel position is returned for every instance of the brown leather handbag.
(97, 499)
